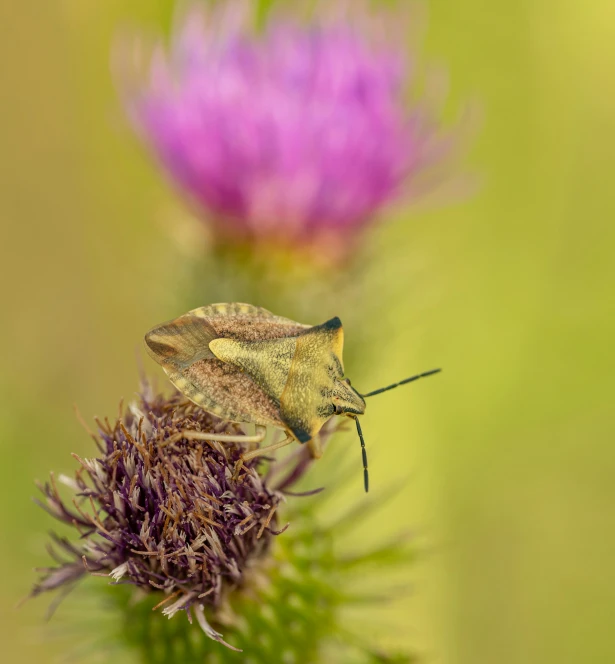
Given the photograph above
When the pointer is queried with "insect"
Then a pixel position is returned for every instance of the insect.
(247, 365)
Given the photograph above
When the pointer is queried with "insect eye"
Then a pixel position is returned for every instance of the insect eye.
(348, 381)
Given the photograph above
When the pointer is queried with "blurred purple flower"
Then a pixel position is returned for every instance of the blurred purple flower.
(298, 135)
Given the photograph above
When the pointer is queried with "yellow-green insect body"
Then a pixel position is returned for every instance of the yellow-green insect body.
(244, 364)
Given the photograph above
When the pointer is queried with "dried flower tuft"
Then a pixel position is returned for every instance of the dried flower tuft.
(171, 530)
(163, 515)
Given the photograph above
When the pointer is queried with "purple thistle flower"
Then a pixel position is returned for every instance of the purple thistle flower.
(166, 523)
(299, 135)
(164, 515)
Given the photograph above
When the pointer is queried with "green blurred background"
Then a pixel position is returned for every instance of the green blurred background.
(510, 452)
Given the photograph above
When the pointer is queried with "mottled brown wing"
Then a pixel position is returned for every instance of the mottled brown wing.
(246, 322)
(181, 347)
(181, 342)
(226, 391)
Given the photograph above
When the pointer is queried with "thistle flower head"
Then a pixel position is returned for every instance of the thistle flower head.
(165, 515)
(164, 520)
(296, 135)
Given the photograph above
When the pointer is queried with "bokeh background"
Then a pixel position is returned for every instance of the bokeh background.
(508, 455)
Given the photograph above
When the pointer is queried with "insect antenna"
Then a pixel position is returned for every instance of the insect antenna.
(364, 453)
(401, 382)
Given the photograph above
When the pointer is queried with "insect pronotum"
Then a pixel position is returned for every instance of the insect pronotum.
(244, 364)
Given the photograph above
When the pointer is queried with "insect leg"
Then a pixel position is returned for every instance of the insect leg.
(315, 447)
(246, 456)
(189, 434)
(264, 450)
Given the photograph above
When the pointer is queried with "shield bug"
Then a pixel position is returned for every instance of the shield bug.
(244, 364)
